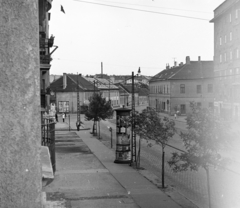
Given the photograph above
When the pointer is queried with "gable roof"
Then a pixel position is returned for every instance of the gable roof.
(84, 85)
(101, 83)
(194, 70)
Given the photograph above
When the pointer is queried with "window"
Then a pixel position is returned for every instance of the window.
(210, 88)
(220, 41)
(236, 13)
(183, 109)
(230, 55)
(182, 88)
(225, 39)
(63, 106)
(210, 104)
(230, 73)
(220, 58)
(199, 89)
(225, 57)
(230, 36)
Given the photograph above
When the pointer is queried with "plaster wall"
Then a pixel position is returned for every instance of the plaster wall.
(20, 132)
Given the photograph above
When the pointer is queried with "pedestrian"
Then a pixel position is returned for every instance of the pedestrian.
(175, 115)
(63, 116)
(56, 117)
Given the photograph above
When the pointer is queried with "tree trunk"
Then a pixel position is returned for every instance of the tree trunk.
(163, 154)
(99, 130)
(139, 151)
(208, 186)
(94, 130)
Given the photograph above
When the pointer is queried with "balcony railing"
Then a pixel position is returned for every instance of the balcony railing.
(46, 42)
(45, 59)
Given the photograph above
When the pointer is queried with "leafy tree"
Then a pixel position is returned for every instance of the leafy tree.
(151, 126)
(206, 135)
(98, 109)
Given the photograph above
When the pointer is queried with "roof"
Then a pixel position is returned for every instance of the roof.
(143, 92)
(194, 70)
(84, 85)
(101, 83)
(223, 8)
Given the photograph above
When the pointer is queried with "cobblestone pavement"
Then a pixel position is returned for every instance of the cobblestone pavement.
(225, 192)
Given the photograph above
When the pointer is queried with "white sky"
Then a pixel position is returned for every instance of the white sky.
(88, 34)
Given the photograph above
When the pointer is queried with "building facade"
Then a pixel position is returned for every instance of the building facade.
(45, 43)
(227, 59)
(65, 89)
(173, 89)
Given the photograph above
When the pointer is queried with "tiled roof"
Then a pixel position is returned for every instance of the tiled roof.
(84, 85)
(194, 70)
(143, 92)
(101, 83)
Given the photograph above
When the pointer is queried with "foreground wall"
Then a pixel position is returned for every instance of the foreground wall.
(20, 135)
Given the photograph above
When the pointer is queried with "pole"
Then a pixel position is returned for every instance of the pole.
(208, 186)
(111, 140)
(163, 154)
(69, 121)
(133, 142)
(78, 106)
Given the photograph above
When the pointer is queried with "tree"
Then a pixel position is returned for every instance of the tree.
(206, 135)
(98, 109)
(151, 126)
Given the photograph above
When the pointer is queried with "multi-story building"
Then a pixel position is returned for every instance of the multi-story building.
(227, 58)
(45, 43)
(175, 87)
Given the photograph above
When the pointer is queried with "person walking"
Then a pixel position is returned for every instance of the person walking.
(63, 116)
(56, 117)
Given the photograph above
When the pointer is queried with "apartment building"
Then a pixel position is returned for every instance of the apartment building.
(45, 43)
(175, 87)
(227, 59)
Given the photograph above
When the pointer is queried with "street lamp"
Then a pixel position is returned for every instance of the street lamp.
(133, 138)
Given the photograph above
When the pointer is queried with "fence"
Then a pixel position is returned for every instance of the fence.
(48, 138)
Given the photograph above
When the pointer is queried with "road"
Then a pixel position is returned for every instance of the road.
(224, 184)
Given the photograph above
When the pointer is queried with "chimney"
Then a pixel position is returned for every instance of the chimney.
(167, 66)
(64, 80)
(199, 58)
(187, 59)
(175, 63)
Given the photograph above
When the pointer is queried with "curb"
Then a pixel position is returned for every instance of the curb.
(169, 190)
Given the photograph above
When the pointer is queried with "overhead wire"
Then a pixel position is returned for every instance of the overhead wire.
(141, 5)
(142, 10)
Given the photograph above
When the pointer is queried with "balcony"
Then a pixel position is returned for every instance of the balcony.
(46, 43)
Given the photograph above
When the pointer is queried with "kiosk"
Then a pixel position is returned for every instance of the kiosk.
(123, 149)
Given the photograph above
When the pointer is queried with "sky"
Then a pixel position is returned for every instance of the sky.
(129, 34)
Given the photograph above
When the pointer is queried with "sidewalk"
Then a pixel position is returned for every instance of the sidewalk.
(86, 176)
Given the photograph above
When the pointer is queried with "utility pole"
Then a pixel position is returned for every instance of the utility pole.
(133, 151)
(134, 143)
(78, 123)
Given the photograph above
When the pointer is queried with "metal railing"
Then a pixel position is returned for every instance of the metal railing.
(48, 138)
